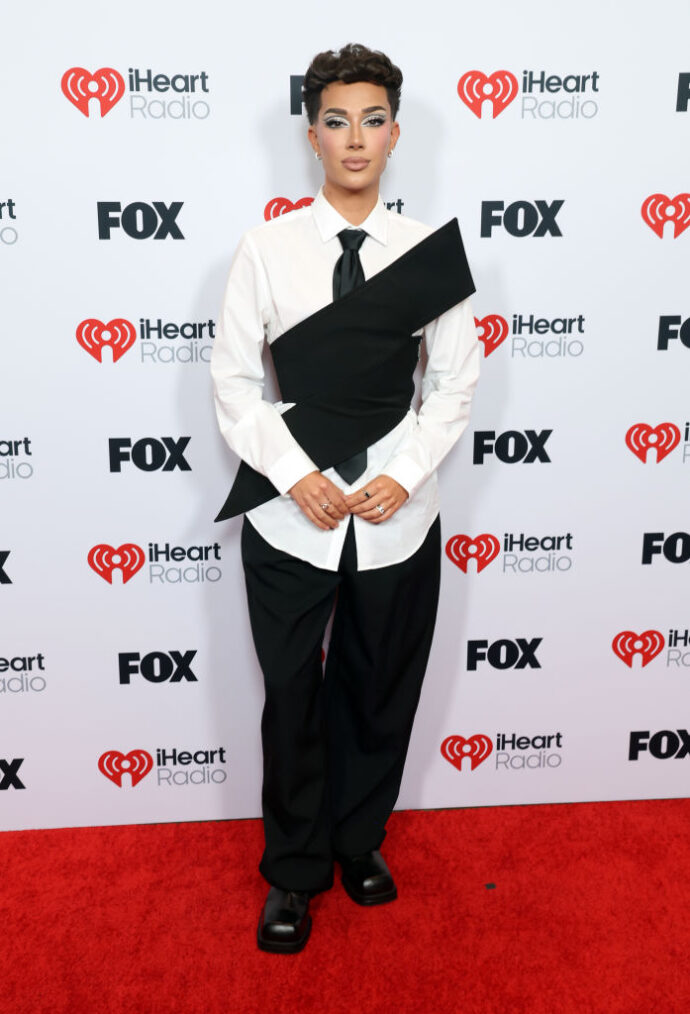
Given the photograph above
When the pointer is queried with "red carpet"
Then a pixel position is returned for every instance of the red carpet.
(588, 914)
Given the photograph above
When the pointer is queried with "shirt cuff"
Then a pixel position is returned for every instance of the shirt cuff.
(405, 471)
(289, 469)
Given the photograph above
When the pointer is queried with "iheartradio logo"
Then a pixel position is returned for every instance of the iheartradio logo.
(127, 558)
(492, 330)
(118, 335)
(456, 748)
(462, 548)
(641, 437)
(282, 205)
(659, 209)
(499, 88)
(80, 86)
(647, 645)
(136, 764)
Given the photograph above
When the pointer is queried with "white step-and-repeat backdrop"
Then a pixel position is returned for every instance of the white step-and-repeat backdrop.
(138, 145)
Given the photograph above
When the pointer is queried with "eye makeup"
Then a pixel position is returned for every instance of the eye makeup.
(375, 120)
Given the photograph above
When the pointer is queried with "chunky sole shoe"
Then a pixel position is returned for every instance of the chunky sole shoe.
(371, 899)
(283, 947)
(284, 923)
(367, 879)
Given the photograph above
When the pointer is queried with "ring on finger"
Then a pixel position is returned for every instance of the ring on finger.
(380, 509)
(325, 506)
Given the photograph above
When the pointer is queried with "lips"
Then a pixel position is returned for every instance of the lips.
(356, 164)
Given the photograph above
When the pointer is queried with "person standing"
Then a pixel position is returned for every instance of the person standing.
(338, 486)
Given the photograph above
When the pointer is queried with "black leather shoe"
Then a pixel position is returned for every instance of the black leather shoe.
(367, 879)
(285, 923)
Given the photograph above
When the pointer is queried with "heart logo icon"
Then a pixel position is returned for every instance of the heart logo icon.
(104, 559)
(456, 748)
(648, 644)
(658, 209)
(105, 84)
(664, 438)
(492, 330)
(462, 548)
(118, 334)
(136, 763)
(282, 205)
(500, 88)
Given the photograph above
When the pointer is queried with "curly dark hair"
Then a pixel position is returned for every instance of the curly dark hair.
(352, 63)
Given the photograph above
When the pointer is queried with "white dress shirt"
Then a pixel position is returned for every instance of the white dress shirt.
(282, 273)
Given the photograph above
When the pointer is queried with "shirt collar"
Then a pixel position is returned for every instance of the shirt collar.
(330, 222)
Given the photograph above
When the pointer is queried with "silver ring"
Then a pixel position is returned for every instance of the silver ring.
(367, 493)
(380, 509)
(325, 506)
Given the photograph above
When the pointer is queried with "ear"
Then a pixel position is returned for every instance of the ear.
(311, 134)
(395, 134)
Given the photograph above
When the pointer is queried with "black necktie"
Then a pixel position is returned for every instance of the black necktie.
(347, 275)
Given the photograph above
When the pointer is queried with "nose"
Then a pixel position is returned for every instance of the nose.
(356, 139)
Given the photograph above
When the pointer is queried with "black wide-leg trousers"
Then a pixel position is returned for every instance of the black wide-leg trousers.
(335, 739)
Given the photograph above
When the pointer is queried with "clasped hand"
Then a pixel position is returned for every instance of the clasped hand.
(325, 505)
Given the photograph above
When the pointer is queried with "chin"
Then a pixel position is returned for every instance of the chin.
(359, 181)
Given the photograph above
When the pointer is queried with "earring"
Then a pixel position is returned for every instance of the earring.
(317, 156)
(389, 154)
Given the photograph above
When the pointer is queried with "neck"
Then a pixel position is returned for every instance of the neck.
(354, 205)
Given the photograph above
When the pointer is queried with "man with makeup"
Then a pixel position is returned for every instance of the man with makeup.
(338, 486)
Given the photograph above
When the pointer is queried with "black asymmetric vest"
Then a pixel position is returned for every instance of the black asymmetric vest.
(349, 367)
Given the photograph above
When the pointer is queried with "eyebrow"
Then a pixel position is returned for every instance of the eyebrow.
(343, 112)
